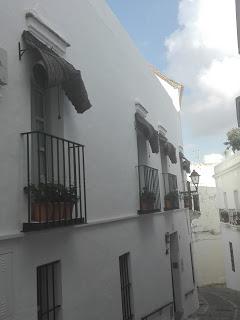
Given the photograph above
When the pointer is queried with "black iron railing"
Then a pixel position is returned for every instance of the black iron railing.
(159, 312)
(56, 185)
(149, 191)
(171, 197)
(231, 216)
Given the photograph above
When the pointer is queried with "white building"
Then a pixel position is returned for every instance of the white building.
(227, 176)
(105, 259)
(207, 243)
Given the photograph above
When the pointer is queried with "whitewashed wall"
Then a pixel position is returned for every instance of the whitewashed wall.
(207, 244)
(227, 176)
(115, 75)
(90, 270)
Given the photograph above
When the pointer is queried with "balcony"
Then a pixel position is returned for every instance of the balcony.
(171, 198)
(55, 186)
(230, 216)
(149, 191)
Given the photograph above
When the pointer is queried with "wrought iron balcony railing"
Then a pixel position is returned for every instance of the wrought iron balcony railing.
(171, 198)
(55, 186)
(231, 216)
(149, 191)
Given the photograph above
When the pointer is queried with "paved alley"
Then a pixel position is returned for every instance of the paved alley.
(218, 304)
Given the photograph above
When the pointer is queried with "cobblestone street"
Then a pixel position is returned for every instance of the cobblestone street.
(218, 304)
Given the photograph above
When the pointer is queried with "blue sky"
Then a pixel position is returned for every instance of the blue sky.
(148, 22)
(208, 103)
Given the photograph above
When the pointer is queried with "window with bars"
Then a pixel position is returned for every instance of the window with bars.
(49, 291)
(126, 292)
(232, 256)
(192, 265)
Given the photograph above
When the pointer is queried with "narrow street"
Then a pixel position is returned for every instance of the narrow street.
(218, 304)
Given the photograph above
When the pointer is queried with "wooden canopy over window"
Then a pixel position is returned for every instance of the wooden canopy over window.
(148, 131)
(185, 162)
(60, 72)
(170, 151)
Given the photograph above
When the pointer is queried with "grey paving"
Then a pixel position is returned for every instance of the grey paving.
(218, 304)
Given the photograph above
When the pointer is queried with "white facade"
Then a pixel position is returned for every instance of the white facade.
(115, 76)
(207, 244)
(227, 175)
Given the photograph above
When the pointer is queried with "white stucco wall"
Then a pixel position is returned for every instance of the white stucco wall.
(115, 75)
(231, 234)
(90, 270)
(207, 244)
(227, 176)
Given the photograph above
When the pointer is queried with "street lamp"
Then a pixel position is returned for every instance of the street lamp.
(195, 179)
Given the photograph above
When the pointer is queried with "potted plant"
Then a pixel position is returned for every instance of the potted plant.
(51, 202)
(224, 216)
(148, 199)
(187, 200)
(171, 200)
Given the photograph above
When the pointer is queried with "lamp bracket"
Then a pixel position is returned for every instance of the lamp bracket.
(21, 51)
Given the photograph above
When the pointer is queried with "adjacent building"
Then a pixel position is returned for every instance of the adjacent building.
(91, 223)
(227, 182)
(228, 187)
(207, 242)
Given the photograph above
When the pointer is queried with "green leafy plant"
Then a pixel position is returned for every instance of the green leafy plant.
(233, 139)
(148, 195)
(171, 196)
(51, 192)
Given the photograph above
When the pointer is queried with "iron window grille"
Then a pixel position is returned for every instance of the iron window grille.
(56, 169)
(192, 265)
(149, 190)
(171, 191)
(126, 293)
(48, 291)
(232, 256)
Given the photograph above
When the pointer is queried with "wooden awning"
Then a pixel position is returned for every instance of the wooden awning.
(60, 72)
(148, 131)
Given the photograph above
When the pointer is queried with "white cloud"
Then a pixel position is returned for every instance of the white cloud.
(213, 158)
(202, 54)
(206, 169)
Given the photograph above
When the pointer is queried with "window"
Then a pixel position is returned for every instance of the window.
(191, 255)
(225, 200)
(238, 110)
(232, 256)
(125, 287)
(49, 291)
(236, 199)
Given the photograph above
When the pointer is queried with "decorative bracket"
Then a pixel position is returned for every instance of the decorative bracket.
(21, 51)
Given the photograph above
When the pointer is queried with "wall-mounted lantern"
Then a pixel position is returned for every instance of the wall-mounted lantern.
(195, 179)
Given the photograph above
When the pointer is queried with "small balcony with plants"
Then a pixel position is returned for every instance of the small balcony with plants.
(149, 191)
(55, 182)
(171, 198)
(230, 217)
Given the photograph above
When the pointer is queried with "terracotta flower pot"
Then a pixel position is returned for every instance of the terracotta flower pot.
(168, 204)
(147, 204)
(51, 211)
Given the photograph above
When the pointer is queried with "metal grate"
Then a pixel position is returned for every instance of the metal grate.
(192, 265)
(232, 256)
(48, 291)
(125, 287)
(171, 190)
(55, 169)
(149, 190)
